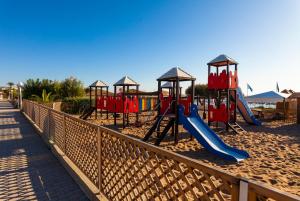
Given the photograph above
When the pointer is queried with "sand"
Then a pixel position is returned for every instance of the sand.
(274, 149)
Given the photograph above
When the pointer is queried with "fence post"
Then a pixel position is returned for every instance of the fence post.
(65, 134)
(49, 111)
(243, 194)
(298, 110)
(30, 110)
(99, 147)
(235, 192)
(251, 195)
(39, 112)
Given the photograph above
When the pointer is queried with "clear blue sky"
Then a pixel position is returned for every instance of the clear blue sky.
(107, 39)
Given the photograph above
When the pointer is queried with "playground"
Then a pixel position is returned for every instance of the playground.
(220, 129)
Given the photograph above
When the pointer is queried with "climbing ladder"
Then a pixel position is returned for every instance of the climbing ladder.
(87, 113)
(163, 122)
(161, 127)
(236, 127)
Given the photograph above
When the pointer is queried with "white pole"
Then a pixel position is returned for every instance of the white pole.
(243, 195)
(20, 98)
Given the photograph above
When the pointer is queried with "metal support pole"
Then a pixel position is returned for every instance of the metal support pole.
(227, 98)
(123, 99)
(159, 91)
(96, 98)
(106, 102)
(20, 96)
(193, 91)
(101, 98)
(137, 96)
(208, 96)
(114, 106)
(176, 111)
(127, 115)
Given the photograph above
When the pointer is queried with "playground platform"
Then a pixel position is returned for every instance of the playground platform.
(28, 169)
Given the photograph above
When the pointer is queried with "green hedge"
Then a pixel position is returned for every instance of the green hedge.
(74, 105)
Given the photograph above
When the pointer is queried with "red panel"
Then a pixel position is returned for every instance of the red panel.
(218, 114)
(135, 105)
(221, 81)
(111, 104)
(233, 80)
(187, 104)
(165, 102)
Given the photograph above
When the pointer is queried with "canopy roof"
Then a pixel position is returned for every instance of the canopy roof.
(266, 97)
(126, 81)
(222, 60)
(167, 85)
(99, 83)
(174, 74)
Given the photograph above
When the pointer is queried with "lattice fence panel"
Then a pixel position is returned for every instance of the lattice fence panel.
(35, 114)
(57, 129)
(30, 109)
(44, 120)
(81, 141)
(25, 106)
(130, 171)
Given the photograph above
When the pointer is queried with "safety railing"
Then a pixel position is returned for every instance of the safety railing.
(125, 168)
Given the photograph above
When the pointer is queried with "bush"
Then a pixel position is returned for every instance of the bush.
(74, 105)
(200, 90)
(36, 87)
(72, 87)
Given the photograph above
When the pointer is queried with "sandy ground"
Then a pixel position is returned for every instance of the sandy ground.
(274, 149)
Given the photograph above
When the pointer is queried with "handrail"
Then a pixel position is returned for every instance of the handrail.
(164, 114)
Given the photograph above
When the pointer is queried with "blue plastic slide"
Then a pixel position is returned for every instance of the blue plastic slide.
(244, 109)
(207, 137)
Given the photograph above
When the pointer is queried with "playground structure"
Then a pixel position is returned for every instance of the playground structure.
(223, 92)
(93, 106)
(168, 116)
(122, 102)
(174, 110)
(169, 86)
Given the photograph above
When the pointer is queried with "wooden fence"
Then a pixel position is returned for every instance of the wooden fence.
(125, 168)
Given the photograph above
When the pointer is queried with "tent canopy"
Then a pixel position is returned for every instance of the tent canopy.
(266, 97)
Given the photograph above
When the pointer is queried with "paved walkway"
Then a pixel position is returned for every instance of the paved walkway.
(28, 169)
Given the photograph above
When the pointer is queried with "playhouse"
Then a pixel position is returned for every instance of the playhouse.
(168, 106)
(222, 92)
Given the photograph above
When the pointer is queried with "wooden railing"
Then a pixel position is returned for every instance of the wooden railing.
(125, 168)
